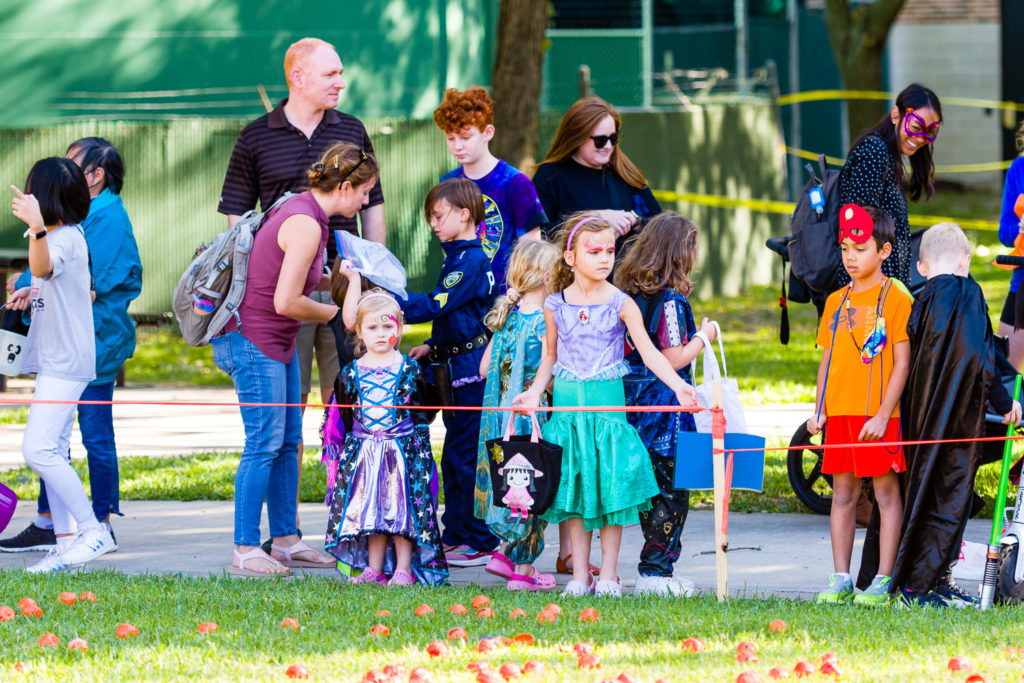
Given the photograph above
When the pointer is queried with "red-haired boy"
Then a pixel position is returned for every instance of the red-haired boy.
(511, 207)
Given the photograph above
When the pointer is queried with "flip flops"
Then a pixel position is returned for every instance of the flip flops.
(238, 567)
(286, 556)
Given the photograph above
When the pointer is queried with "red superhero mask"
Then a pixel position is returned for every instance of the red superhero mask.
(855, 223)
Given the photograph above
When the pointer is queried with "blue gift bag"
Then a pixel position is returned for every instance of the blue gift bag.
(694, 461)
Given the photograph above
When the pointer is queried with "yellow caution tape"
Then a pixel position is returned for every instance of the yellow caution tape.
(820, 95)
(763, 205)
(951, 168)
(786, 209)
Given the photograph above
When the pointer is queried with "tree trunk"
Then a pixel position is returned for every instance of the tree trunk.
(516, 80)
(858, 36)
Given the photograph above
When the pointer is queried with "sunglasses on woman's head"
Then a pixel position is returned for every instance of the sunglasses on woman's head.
(363, 156)
(929, 133)
(601, 140)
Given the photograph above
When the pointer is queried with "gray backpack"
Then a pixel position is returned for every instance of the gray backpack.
(212, 287)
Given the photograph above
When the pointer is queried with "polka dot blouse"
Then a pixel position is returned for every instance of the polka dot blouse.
(868, 179)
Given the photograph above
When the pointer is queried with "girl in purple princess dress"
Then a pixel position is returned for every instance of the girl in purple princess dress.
(383, 520)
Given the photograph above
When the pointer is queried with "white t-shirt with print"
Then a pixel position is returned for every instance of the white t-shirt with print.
(61, 339)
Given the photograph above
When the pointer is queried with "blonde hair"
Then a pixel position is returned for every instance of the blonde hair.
(663, 255)
(376, 300)
(530, 261)
(943, 244)
(298, 52)
(563, 276)
(1020, 139)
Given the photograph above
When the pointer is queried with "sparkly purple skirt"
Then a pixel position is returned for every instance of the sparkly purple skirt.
(378, 501)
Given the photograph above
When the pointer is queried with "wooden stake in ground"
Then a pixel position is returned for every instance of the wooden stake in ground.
(721, 497)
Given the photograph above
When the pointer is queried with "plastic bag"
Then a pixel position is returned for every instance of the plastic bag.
(733, 409)
(373, 261)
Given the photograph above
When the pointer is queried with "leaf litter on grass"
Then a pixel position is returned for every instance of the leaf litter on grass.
(642, 636)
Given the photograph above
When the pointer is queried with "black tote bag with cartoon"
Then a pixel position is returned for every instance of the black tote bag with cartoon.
(525, 471)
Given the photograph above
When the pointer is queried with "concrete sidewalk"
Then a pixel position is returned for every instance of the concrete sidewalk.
(776, 554)
(785, 555)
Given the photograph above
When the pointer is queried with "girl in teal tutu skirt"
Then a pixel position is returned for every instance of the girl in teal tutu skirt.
(607, 479)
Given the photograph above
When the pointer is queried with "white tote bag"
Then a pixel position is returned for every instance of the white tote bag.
(731, 406)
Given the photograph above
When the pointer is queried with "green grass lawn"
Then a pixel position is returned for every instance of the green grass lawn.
(641, 636)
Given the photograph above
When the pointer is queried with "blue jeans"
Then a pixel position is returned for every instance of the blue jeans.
(269, 468)
(96, 423)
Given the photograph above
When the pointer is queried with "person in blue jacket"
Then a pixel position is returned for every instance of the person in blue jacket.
(117, 281)
(456, 307)
(1011, 227)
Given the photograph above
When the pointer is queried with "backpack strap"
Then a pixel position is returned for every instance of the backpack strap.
(823, 165)
(784, 305)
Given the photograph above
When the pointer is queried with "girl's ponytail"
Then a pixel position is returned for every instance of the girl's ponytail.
(498, 315)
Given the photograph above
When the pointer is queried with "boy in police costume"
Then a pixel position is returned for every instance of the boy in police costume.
(456, 308)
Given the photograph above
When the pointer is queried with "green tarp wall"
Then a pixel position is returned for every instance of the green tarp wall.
(65, 60)
(175, 170)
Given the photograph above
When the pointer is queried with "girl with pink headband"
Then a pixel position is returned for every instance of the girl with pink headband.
(607, 478)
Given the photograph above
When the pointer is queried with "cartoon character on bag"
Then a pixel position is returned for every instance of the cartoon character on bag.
(519, 475)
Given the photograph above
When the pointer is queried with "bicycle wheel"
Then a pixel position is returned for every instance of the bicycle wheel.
(803, 466)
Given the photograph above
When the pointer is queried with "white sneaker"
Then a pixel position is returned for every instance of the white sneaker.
(110, 530)
(611, 589)
(51, 563)
(575, 589)
(665, 586)
(89, 545)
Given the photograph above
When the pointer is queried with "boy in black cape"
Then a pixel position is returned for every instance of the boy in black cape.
(952, 372)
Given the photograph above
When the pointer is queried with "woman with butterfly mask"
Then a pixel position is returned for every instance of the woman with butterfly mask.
(874, 173)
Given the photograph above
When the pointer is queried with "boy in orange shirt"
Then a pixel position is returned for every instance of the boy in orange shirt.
(866, 356)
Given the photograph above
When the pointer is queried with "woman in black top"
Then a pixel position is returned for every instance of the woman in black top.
(585, 170)
(874, 174)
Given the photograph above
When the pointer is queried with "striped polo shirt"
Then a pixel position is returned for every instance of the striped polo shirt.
(271, 157)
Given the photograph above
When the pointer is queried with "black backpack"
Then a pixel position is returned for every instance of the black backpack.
(814, 247)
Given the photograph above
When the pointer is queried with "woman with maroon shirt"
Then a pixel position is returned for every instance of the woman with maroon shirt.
(259, 354)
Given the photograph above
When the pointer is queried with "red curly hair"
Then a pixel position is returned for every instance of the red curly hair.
(471, 107)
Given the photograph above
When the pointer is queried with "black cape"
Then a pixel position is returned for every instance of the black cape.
(952, 372)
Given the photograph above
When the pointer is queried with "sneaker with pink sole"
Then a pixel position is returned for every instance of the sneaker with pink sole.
(464, 556)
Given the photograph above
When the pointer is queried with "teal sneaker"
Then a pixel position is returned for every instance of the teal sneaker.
(838, 592)
(875, 595)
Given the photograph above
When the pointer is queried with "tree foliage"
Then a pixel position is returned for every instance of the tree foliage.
(516, 78)
(858, 32)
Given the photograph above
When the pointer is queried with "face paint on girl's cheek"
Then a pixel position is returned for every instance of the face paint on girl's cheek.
(392, 340)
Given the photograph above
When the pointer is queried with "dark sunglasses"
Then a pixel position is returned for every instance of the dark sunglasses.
(363, 156)
(601, 140)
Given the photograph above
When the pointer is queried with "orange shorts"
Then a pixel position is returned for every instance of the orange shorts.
(862, 461)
